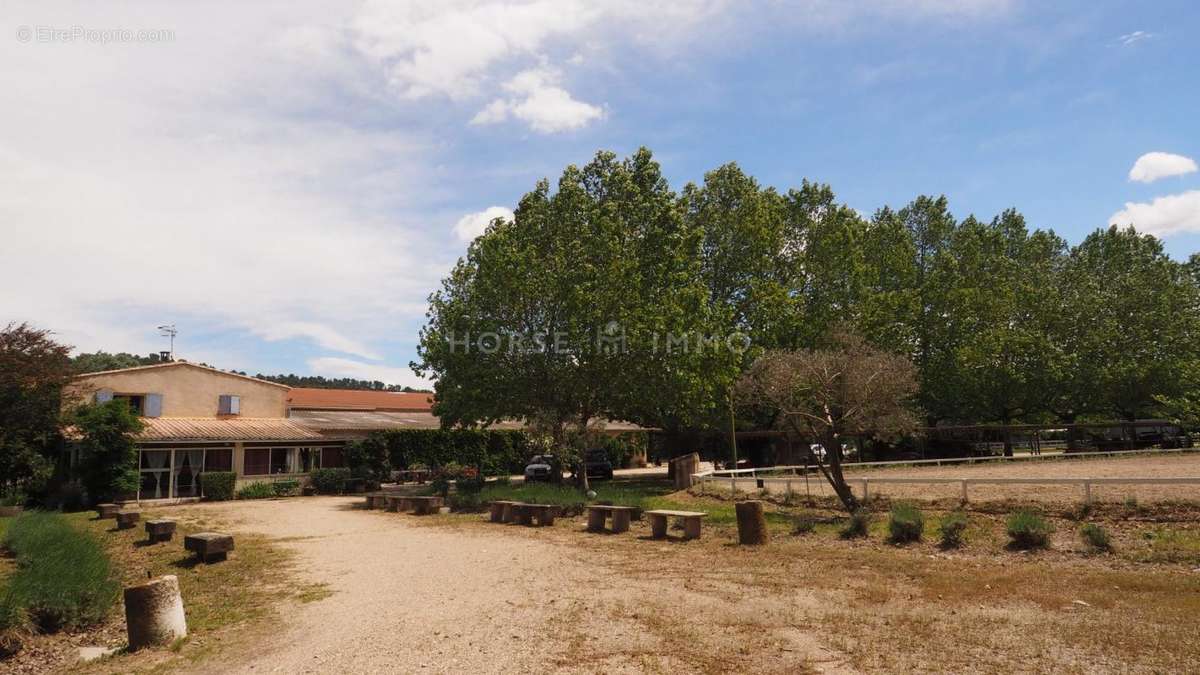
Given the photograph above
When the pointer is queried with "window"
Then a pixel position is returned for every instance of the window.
(136, 401)
(310, 458)
(281, 460)
(331, 458)
(218, 459)
(257, 462)
(228, 404)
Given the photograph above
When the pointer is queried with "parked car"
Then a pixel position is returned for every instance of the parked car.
(596, 463)
(542, 467)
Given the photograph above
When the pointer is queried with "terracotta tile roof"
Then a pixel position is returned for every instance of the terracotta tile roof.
(229, 429)
(177, 364)
(358, 399)
(360, 420)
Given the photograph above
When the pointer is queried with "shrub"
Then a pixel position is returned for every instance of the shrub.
(1029, 530)
(952, 528)
(1096, 537)
(858, 525)
(217, 486)
(256, 490)
(285, 488)
(108, 456)
(330, 481)
(906, 523)
(63, 577)
(468, 502)
(804, 523)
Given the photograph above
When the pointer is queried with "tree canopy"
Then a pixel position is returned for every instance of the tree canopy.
(1002, 322)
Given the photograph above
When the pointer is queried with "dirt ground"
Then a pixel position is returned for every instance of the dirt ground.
(441, 595)
(1134, 466)
(454, 593)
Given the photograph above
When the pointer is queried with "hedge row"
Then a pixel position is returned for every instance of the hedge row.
(496, 452)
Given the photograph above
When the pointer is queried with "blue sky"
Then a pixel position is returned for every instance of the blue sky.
(287, 182)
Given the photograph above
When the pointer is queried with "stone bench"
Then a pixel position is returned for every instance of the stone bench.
(541, 514)
(376, 500)
(396, 503)
(127, 520)
(691, 522)
(160, 530)
(501, 511)
(105, 511)
(423, 506)
(598, 513)
(209, 546)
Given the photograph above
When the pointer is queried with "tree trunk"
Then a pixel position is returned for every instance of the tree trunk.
(833, 455)
(752, 524)
(1072, 432)
(583, 477)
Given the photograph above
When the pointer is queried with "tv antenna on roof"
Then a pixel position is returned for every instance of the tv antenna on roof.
(168, 330)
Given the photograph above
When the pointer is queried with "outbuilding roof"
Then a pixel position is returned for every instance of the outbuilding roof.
(365, 420)
(309, 398)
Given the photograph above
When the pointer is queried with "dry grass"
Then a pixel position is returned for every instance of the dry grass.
(871, 606)
(225, 602)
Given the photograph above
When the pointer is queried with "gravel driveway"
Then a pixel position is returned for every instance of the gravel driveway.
(409, 596)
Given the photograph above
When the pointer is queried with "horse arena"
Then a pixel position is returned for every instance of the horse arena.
(946, 480)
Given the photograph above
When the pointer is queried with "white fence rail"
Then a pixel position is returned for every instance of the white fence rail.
(772, 475)
(795, 469)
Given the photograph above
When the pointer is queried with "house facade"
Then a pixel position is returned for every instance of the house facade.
(201, 419)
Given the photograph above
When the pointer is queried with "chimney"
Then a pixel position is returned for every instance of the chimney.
(165, 357)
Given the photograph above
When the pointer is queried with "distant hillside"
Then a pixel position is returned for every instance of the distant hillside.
(98, 361)
(319, 382)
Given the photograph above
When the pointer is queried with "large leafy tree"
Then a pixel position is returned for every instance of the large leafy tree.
(844, 389)
(574, 310)
(34, 370)
(1135, 309)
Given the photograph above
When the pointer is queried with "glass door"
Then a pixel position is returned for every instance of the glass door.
(155, 468)
(186, 473)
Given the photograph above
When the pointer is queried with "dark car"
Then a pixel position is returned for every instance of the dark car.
(596, 464)
(542, 467)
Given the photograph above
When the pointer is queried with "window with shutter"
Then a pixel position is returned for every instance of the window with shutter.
(152, 405)
(104, 395)
(228, 404)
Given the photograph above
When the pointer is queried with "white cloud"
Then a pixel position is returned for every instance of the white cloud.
(193, 189)
(1154, 165)
(267, 176)
(1164, 216)
(1134, 37)
(472, 225)
(332, 366)
(541, 103)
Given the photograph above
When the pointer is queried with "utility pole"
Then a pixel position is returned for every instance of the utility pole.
(168, 330)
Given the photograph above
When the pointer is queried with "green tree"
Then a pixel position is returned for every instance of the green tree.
(34, 370)
(562, 314)
(1136, 311)
(101, 360)
(108, 456)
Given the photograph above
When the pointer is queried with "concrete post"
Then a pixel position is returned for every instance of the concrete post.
(154, 613)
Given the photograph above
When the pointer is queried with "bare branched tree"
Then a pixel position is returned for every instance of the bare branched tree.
(845, 389)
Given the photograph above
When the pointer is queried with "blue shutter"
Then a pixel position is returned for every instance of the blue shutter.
(228, 404)
(152, 406)
(104, 395)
